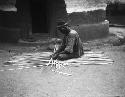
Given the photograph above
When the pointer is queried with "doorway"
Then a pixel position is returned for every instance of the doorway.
(38, 14)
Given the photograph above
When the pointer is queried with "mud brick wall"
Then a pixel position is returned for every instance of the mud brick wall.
(56, 10)
(9, 35)
(89, 25)
(89, 17)
(92, 31)
(14, 24)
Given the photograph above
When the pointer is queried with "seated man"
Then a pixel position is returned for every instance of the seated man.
(71, 46)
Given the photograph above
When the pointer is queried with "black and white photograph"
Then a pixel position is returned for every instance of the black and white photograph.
(62, 48)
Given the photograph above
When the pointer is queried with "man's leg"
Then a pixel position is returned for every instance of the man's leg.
(65, 57)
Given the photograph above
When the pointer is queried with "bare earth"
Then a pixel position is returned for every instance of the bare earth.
(86, 80)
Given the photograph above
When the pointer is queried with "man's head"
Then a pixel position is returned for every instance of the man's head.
(63, 27)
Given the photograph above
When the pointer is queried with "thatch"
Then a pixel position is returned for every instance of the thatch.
(8, 5)
(7, 2)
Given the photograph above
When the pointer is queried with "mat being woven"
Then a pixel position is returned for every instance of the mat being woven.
(42, 58)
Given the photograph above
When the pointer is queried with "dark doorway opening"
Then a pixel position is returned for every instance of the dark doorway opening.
(38, 14)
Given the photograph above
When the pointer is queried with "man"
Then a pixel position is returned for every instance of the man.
(71, 46)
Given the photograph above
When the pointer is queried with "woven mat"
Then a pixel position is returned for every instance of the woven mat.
(42, 58)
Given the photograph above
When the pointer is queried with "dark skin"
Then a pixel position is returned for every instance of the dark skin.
(64, 30)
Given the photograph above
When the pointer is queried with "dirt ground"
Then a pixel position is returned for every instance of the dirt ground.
(86, 80)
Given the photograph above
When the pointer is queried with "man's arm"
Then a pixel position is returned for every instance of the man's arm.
(62, 47)
(70, 44)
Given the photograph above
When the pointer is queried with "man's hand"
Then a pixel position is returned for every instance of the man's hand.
(54, 56)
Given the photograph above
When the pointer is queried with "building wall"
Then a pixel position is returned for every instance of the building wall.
(116, 13)
(22, 18)
(56, 10)
(14, 23)
(88, 17)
